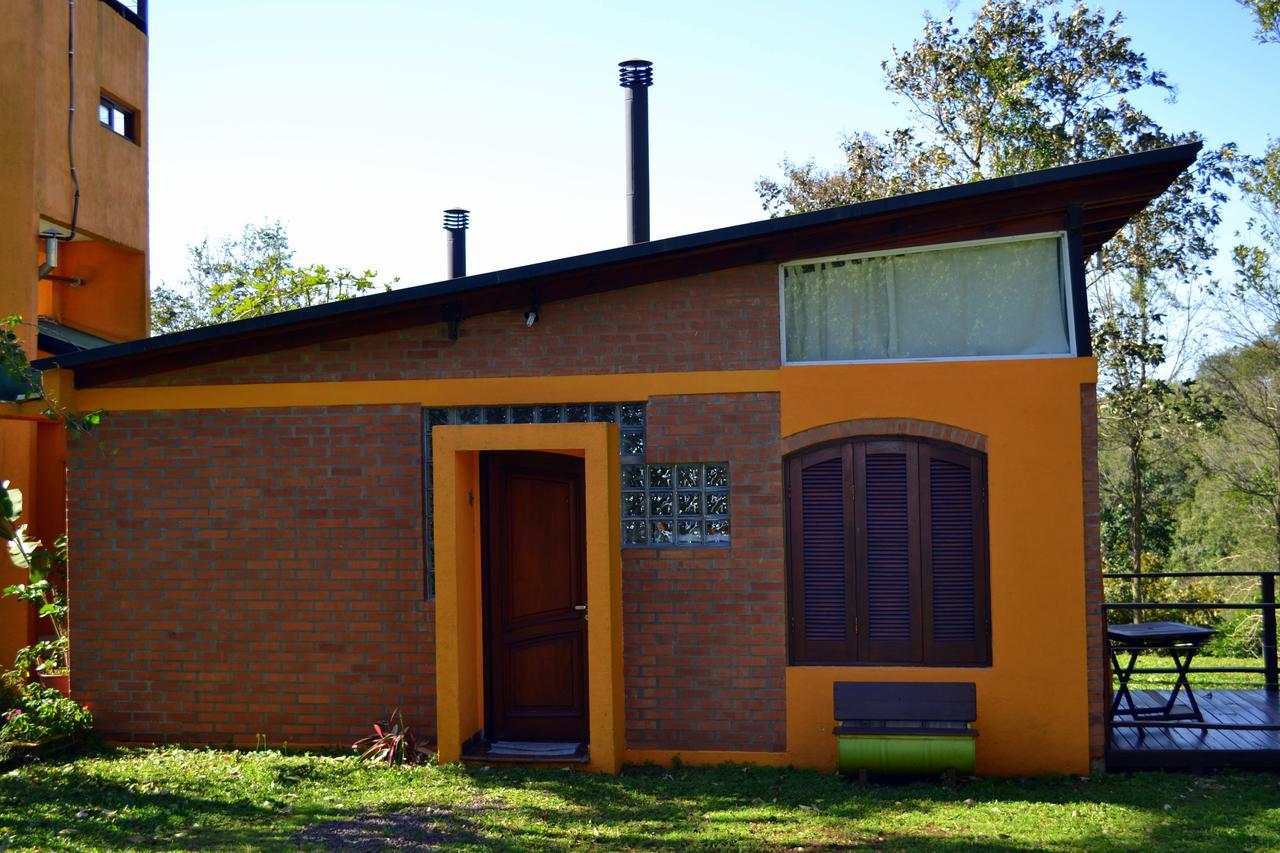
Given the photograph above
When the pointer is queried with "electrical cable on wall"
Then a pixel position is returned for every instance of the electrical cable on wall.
(52, 238)
(71, 116)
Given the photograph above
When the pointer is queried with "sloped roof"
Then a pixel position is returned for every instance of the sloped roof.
(1103, 194)
(58, 339)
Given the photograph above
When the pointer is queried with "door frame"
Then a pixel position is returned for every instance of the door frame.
(459, 604)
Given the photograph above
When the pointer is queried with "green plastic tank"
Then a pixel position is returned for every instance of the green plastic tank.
(905, 754)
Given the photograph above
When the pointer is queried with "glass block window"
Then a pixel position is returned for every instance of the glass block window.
(628, 416)
(675, 505)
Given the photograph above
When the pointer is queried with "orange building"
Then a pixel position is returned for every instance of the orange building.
(652, 501)
(73, 220)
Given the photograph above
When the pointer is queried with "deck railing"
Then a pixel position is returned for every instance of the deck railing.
(1270, 669)
(1239, 726)
(133, 11)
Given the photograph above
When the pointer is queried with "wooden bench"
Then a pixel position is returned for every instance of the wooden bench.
(905, 728)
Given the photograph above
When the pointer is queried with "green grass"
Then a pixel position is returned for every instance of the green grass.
(1208, 680)
(207, 799)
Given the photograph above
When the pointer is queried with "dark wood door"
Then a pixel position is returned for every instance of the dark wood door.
(535, 596)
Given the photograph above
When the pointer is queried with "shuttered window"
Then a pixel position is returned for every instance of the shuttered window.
(888, 554)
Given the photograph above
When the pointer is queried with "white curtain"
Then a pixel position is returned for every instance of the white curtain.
(992, 299)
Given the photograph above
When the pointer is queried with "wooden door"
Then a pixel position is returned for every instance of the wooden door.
(535, 596)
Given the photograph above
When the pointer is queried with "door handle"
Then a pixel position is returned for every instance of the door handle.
(579, 607)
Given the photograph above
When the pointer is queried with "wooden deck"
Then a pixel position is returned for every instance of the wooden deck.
(1192, 748)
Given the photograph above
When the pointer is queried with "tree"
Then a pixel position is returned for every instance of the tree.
(1246, 377)
(1026, 87)
(1267, 14)
(1247, 454)
(1253, 303)
(1030, 85)
(250, 277)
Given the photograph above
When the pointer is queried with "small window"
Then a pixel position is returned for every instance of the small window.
(887, 552)
(118, 118)
(1005, 298)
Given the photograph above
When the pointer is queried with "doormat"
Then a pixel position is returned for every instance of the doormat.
(541, 748)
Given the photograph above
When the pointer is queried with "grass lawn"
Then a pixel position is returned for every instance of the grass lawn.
(209, 799)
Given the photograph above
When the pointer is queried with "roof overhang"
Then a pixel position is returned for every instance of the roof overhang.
(1097, 198)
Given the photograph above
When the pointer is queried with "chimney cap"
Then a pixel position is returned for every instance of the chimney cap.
(456, 219)
(635, 74)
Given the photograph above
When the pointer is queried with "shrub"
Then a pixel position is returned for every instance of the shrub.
(42, 714)
(10, 694)
(393, 742)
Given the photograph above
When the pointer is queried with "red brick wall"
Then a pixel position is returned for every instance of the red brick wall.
(246, 572)
(1098, 672)
(720, 321)
(704, 629)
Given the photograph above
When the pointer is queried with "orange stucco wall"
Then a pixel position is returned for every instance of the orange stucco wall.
(35, 184)
(1033, 699)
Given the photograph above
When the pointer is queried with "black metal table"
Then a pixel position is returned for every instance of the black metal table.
(1180, 641)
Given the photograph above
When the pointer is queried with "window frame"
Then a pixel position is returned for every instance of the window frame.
(858, 650)
(1066, 275)
(115, 105)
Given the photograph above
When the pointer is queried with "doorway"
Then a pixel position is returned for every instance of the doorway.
(533, 520)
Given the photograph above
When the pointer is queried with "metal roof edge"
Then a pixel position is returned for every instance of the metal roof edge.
(301, 317)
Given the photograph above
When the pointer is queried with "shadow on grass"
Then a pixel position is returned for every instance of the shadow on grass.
(57, 804)
(769, 808)
(644, 808)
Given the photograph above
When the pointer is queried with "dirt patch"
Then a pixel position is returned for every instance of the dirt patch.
(423, 828)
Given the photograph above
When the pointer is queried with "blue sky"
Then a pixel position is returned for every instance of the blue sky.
(356, 123)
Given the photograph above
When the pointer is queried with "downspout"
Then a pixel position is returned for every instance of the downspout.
(52, 239)
(50, 255)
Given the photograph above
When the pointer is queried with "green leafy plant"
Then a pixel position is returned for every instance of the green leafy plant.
(392, 742)
(46, 567)
(45, 587)
(41, 714)
(18, 381)
(251, 276)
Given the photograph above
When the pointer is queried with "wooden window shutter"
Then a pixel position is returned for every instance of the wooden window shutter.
(888, 554)
(821, 568)
(888, 551)
(954, 601)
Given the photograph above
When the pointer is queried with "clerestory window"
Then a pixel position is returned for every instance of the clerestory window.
(989, 299)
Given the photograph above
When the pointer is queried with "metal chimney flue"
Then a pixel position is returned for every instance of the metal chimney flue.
(636, 76)
(455, 225)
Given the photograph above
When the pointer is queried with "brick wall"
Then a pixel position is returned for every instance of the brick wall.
(704, 629)
(726, 320)
(250, 571)
(1098, 672)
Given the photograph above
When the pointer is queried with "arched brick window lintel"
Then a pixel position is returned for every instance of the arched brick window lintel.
(883, 426)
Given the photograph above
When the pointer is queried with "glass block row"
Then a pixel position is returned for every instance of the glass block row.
(715, 476)
(625, 414)
(675, 504)
(684, 532)
(629, 417)
(640, 504)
